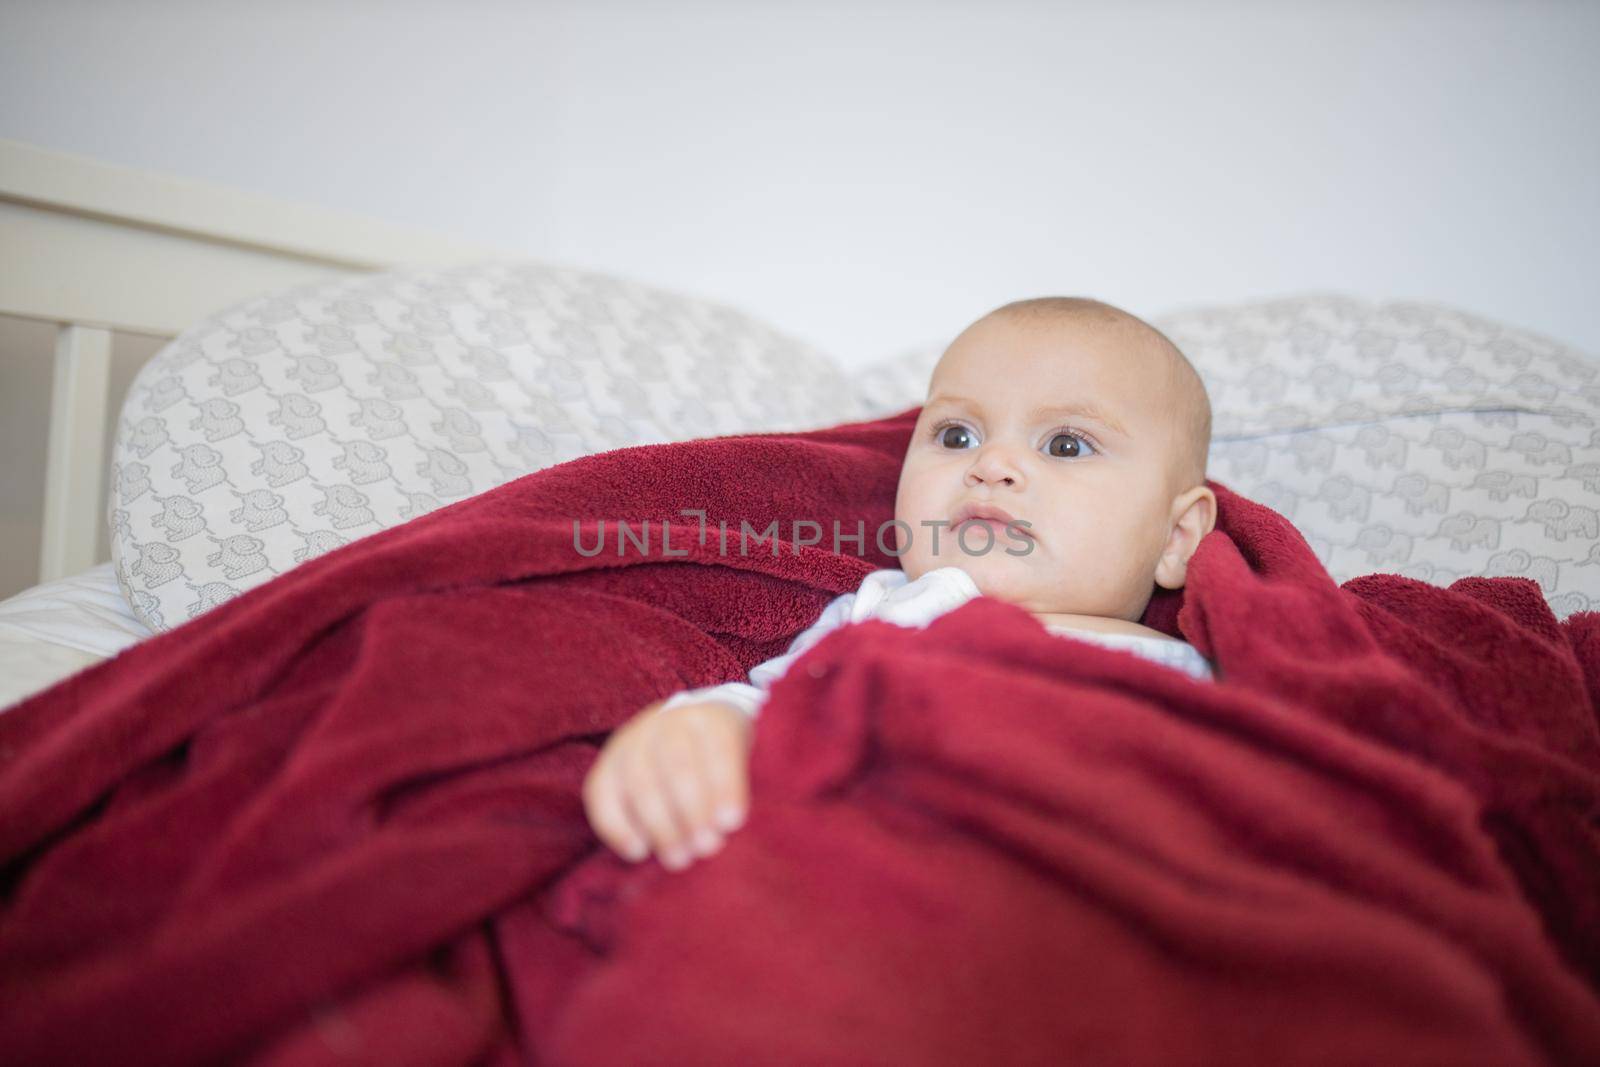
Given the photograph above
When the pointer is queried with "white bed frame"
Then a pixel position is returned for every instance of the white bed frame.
(97, 249)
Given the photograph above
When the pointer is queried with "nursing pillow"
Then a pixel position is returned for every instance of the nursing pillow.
(291, 424)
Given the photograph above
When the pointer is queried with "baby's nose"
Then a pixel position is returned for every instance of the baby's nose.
(993, 467)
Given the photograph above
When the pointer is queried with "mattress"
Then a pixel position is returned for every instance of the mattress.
(58, 628)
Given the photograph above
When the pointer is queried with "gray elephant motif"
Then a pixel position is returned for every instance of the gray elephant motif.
(331, 339)
(533, 445)
(1354, 411)
(1463, 380)
(1279, 497)
(132, 480)
(258, 510)
(1243, 347)
(1533, 386)
(235, 376)
(180, 517)
(149, 608)
(657, 326)
(364, 461)
(315, 373)
(280, 462)
(473, 394)
(344, 505)
(548, 414)
(411, 350)
(181, 356)
(164, 393)
(590, 307)
(447, 473)
(1421, 495)
(1384, 545)
(1396, 378)
(299, 415)
(1518, 563)
(1561, 519)
(1312, 452)
(352, 312)
(577, 340)
(1345, 499)
(317, 542)
(157, 563)
(239, 555)
(1371, 346)
(418, 504)
(1423, 571)
(1502, 485)
(1589, 473)
(396, 382)
(200, 466)
(1570, 602)
(219, 419)
(257, 341)
(379, 418)
(635, 401)
(428, 320)
(503, 328)
(208, 596)
(1458, 449)
(644, 363)
(1497, 417)
(1442, 345)
(1509, 353)
(1540, 449)
(147, 435)
(462, 431)
(1466, 530)
(1310, 341)
(1382, 446)
(1265, 381)
(1330, 380)
(489, 364)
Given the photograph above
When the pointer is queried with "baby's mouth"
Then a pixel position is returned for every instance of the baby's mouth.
(998, 519)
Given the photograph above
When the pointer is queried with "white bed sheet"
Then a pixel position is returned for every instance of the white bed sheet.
(56, 629)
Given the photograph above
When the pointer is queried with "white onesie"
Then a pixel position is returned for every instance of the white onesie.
(887, 595)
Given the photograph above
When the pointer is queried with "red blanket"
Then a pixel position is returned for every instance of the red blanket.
(338, 818)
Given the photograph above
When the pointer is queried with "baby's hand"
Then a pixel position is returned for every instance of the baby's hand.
(668, 781)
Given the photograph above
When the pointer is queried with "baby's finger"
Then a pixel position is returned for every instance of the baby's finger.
(608, 813)
(681, 759)
(651, 807)
(727, 758)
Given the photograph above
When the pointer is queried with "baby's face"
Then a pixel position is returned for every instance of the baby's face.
(1067, 427)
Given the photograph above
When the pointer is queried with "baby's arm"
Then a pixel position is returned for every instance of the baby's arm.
(675, 777)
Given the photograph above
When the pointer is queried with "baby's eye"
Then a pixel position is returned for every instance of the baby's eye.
(953, 436)
(1069, 446)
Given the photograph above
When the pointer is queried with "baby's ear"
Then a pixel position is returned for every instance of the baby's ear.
(1194, 513)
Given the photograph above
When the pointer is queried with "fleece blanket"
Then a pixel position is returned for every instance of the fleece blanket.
(338, 819)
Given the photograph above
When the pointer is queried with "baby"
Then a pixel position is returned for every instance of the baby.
(1077, 433)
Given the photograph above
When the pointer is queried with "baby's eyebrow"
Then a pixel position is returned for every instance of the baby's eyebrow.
(1079, 410)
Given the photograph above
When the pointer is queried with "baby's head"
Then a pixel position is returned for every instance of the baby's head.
(1083, 421)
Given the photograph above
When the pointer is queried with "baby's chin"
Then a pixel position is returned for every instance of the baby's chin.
(1006, 578)
(995, 574)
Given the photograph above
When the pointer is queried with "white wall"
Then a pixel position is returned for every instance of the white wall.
(873, 175)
